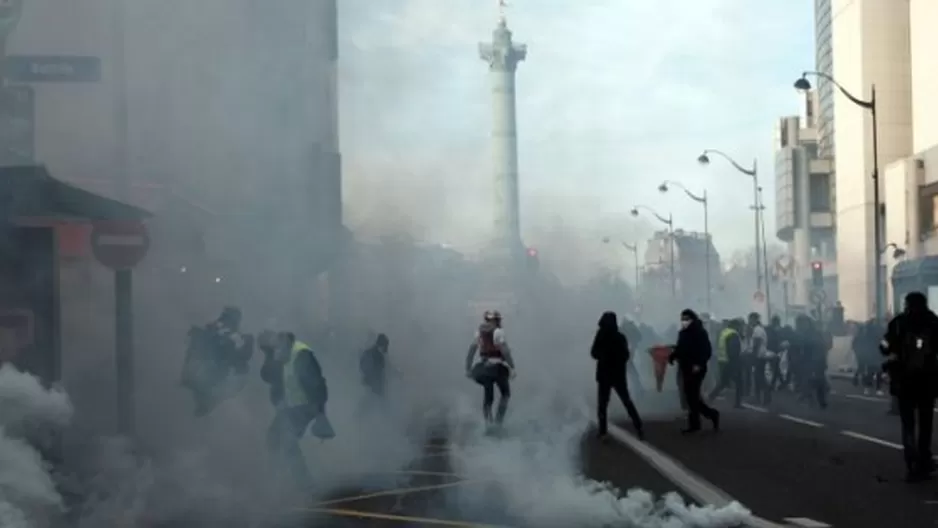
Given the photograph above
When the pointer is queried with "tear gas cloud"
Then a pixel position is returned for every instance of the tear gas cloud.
(28, 415)
(204, 118)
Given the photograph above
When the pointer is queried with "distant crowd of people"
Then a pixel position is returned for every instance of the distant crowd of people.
(748, 357)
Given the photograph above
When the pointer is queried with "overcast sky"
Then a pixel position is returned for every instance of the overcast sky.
(615, 96)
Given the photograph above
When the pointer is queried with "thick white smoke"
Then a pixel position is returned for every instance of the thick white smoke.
(28, 414)
(537, 471)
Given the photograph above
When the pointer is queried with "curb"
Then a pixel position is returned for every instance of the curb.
(696, 486)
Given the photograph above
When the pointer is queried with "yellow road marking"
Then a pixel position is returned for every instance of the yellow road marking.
(395, 491)
(399, 518)
(421, 473)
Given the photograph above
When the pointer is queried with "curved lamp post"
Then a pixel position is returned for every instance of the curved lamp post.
(701, 199)
(762, 268)
(634, 249)
(668, 221)
(803, 85)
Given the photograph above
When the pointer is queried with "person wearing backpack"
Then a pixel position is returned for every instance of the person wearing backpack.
(495, 368)
(910, 346)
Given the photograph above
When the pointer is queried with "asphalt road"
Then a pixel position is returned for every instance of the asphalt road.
(791, 463)
(426, 492)
(422, 494)
(799, 465)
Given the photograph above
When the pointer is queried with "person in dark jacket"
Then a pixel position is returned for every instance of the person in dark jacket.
(692, 354)
(812, 352)
(910, 345)
(373, 366)
(611, 351)
(215, 351)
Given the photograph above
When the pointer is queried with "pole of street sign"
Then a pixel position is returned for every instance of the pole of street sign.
(123, 277)
(124, 351)
(121, 246)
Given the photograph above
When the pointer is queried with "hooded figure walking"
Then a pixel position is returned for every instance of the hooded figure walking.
(611, 351)
(911, 349)
(692, 353)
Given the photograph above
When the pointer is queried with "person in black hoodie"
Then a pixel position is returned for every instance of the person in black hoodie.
(692, 353)
(911, 347)
(611, 351)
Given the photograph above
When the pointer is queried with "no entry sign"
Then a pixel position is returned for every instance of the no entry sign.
(120, 245)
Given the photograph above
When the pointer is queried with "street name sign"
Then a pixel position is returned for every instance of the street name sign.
(52, 69)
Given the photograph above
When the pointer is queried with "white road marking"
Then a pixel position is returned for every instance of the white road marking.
(868, 398)
(877, 399)
(804, 522)
(755, 408)
(802, 421)
(695, 486)
(873, 439)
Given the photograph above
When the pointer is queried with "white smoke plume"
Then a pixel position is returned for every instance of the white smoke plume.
(537, 471)
(28, 414)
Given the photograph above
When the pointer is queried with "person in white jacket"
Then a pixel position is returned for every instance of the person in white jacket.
(761, 355)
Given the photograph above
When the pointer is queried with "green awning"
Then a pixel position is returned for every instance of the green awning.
(31, 192)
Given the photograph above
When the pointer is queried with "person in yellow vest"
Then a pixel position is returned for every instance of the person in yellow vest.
(729, 349)
(301, 402)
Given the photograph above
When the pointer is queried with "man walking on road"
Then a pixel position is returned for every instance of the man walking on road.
(758, 347)
(729, 352)
(692, 354)
(611, 351)
(910, 346)
(812, 353)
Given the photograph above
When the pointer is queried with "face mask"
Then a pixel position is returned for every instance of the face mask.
(685, 323)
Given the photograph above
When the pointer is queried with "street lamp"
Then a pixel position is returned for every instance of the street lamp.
(669, 221)
(762, 269)
(803, 85)
(765, 251)
(701, 199)
(634, 249)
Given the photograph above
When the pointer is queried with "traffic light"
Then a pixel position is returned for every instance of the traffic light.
(817, 274)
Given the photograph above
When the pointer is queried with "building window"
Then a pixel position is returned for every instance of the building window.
(810, 149)
(820, 193)
(928, 209)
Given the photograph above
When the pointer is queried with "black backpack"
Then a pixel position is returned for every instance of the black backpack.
(917, 353)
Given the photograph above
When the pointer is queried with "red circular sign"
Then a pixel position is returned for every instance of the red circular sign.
(120, 245)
